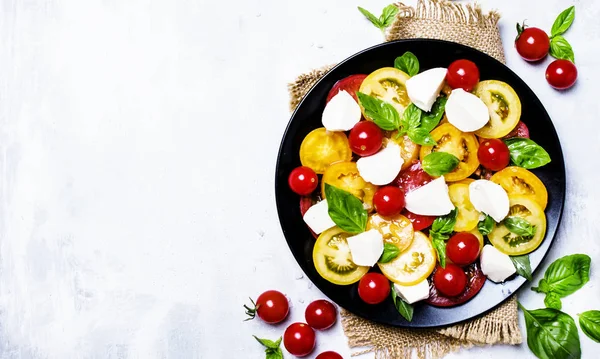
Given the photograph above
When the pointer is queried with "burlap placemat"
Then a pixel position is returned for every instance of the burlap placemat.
(468, 25)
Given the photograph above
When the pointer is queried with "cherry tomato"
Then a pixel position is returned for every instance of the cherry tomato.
(493, 154)
(365, 138)
(373, 288)
(462, 74)
(388, 200)
(299, 339)
(532, 44)
(303, 180)
(475, 281)
(320, 314)
(561, 74)
(329, 355)
(418, 221)
(450, 281)
(463, 248)
(271, 306)
(350, 84)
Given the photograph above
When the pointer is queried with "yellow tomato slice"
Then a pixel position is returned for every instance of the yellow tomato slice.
(414, 264)
(466, 181)
(468, 216)
(462, 145)
(332, 258)
(512, 244)
(387, 84)
(320, 148)
(344, 175)
(519, 181)
(503, 105)
(409, 151)
(396, 230)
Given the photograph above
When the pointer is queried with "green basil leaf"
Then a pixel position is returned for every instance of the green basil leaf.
(445, 224)
(431, 119)
(590, 324)
(551, 334)
(274, 353)
(519, 226)
(407, 63)
(382, 113)
(552, 300)
(563, 21)
(269, 344)
(566, 275)
(439, 163)
(561, 49)
(388, 15)
(390, 252)
(486, 225)
(523, 266)
(526, 153)
(542, 287)
(411, 118)
(439, 243)
(405, 309)
(421, 136)
(372, 18)
(346, 211)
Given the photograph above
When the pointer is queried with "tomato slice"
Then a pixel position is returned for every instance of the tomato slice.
(520, 131)
(320, 148)
(504, 107)
(396, 230)
(414, 264)
(350, 84)
(408, 180)
(387, 84)
(418, 221)
(332, 258)
(305, 203)
(519, 181)
(344, 175)
(468, 216)
(409, 151)
(475, 281)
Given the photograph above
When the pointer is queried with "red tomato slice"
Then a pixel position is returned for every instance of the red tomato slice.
(418, 221)
(408, 180)
(305, 203)
(350, 84)
(475, 281)
(520, 131)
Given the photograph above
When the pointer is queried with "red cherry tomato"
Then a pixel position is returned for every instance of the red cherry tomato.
(365, 138)
(373, 288)
(561, 74)
(462, 74)
(493, 154)
(329, 355)
(532, 44)
(320, 314)
(299, 339)
(463, 248)
(388, 200)
(475, 281)
(303, 180)
(418, 221)
(350, 84)
(450, 281)
(271, 306)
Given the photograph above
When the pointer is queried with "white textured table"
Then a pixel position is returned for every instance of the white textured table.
(138, 142)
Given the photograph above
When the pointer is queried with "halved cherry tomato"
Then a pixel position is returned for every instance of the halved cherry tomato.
(303, 180)
(365, 138)
(412, 178)
(333, 260)
(461, 144)
(463, 248)
(462, 74)
(414, 264)
(450, 281)
(409, 151)
(396, 230)
(467, 217)
(418, 221)
(299, 339)
(519, 181)
(344, 175)
(373, 288)
(520, 131)
(320, 148)
(504, 107)
(388, 200)
(350, 84)
(387, 84)
(475, 281)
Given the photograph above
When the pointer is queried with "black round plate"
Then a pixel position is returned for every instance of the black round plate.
(431, 53)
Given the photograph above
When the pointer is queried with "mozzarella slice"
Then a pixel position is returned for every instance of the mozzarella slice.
(317, 217)
(413, 293)
(466, 111)
(424, 88)
(341, 113)
(489, 198)
(431, 199)
(496, 265)
(366, 248)
(382, 167)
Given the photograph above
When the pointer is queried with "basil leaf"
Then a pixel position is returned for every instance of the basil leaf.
(542, 287)
(431, 119)
(439, 243)
(526, 153)
(552, 300)
(590, 324)
(372, 18)
(519, 226)
(269, 344)
(439, 163)
(563, 21)
(551, 334)
(523, 266)
(390, 252)
(565, 275)
(561, 49)
(407, 63)
(406, 310)
(444, 225)
(382, 113)
(274, 354)
(411, 118)
(346, 211)
(486, 225)
(388, 15)
(421, 136)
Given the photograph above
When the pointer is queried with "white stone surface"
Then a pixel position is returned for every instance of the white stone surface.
(137, 145)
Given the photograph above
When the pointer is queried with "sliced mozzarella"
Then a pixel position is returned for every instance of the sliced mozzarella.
(413, 293)
(317, 217)
(431, 199)
(495, 264)
(489, 198)
(382, 167)
(424, 88)
(341, 113)
(466, 111)
(366, 248)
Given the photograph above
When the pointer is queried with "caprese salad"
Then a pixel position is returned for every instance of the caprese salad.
(418, 184)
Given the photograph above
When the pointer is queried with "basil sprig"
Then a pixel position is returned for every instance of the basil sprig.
(559, 46)
(408, 63)
(564, 277)
(551, 334)
(441, 229)
(346, 211)
(519, 226)
(385, 19)
(523, 266)
(590, 324)
(526, 153)
(439, 163)
(406, 310)
(486, 225)
(390, 252)
(272, 348)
